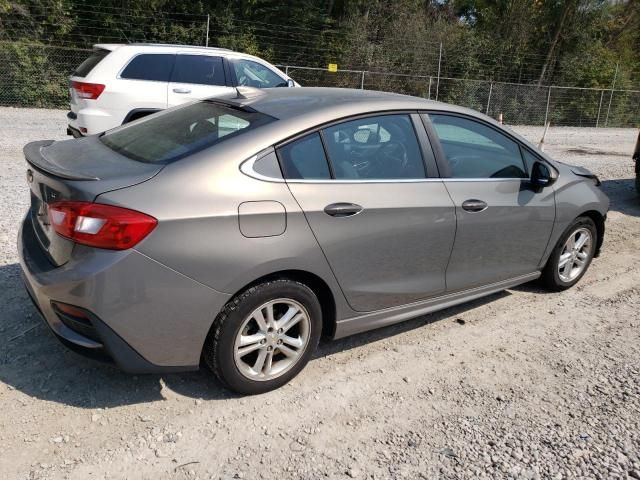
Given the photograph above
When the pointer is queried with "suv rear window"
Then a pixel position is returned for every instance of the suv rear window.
(85, 67)
(152, 66)
(174, 134)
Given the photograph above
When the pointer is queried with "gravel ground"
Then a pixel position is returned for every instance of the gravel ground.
(522, 384)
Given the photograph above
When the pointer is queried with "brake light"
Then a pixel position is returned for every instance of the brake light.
(70, 310)
(89, 91)
(98, 225)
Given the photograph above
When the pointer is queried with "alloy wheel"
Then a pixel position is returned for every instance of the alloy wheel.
(575, 255)
(272, 339)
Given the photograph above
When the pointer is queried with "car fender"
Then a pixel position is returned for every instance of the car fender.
(574, 196)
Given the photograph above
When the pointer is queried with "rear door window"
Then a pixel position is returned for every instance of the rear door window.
(198, 69)
(305, 159)
(156, 67)
(94, 59)
(169, 136)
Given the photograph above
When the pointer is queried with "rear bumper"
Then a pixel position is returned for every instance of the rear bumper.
(145, 317)
(89, 121)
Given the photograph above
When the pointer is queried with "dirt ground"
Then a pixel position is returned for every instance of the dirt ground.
(521, 384)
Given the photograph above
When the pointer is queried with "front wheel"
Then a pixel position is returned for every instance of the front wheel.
(265, 336)
(571, 256)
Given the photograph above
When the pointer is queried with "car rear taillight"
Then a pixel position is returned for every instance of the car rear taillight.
(88, 91)
(98, 225)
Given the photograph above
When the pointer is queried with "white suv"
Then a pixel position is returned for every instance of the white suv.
(120, 83)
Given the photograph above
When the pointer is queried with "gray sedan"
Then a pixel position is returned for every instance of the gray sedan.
(235, 232)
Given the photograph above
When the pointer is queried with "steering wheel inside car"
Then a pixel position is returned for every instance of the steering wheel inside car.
(392, 155)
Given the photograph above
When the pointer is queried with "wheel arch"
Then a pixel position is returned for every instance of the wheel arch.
(137, 113)
(599, 220)
(315, 283)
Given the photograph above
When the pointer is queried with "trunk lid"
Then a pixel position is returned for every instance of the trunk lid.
(74, 170)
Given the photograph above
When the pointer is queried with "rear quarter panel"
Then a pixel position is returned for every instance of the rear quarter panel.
(197, 201)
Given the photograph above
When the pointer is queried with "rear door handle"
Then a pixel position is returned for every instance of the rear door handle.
(474, 205)
(181, 90)
(342, 209)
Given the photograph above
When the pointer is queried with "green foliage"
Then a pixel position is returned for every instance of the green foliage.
(537, 42)
(37, 75)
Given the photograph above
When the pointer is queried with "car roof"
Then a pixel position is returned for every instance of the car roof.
(325, 104)
(173, 48)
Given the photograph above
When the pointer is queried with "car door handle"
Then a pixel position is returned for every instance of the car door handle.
(474, 205)
(181, 90)
(342, 209)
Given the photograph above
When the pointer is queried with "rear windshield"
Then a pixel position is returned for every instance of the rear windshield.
(169, 136)
(86, 66)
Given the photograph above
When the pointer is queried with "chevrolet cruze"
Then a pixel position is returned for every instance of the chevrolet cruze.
(234, 232)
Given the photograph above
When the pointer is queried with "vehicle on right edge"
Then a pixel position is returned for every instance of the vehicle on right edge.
(235, 231)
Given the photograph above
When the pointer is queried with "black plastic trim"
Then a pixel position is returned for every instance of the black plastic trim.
(441, 159)
(74, 132)
(428, 155)
(229, 80)
(135, 111)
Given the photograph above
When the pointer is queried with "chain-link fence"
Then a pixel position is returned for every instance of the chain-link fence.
(518, 103)
(34, 75)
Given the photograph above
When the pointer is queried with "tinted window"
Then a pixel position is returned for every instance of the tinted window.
(85, 67)
(155, 67)
(174, 134)
(304, 158)
(200, 69)
(383, 147)
(474, 150)
(253, 74)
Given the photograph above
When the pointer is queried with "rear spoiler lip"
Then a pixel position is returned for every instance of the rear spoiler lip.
(35, 157)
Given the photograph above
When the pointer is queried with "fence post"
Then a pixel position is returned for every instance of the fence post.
(489, 99)
(439, 64)
(599, 108)
(546, 112)
(429, 94)
(362, 81)
(286, 70)
(613, 85)
(206, 44)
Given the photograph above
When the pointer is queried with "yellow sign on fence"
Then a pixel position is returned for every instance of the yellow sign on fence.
(333, 67)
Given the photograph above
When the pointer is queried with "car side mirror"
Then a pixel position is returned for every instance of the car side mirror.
(291, 83)
(542, 175)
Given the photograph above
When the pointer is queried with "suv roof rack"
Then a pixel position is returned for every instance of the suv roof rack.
(143, 44)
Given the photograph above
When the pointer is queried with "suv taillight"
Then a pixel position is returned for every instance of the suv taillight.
(98, 225)
(88, 91)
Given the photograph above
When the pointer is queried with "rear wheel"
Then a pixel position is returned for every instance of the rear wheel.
(265, 336)
(571, 256)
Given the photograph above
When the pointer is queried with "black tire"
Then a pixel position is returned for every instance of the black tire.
(550, 278)
(218, 352)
